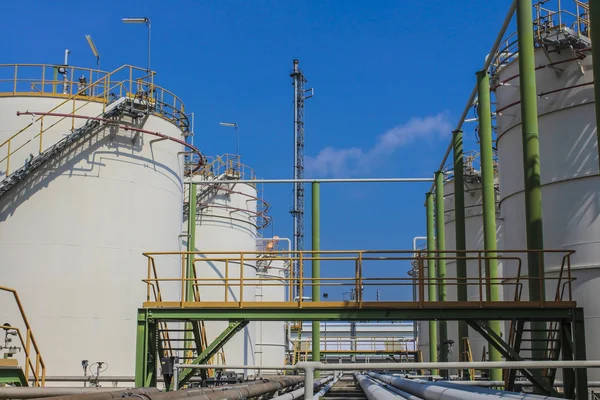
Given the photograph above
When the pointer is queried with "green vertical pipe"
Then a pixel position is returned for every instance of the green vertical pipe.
(440, 236)
(316, 269)
(489, 204)
(595, 37)
(531, 166)
(431, 275)
(461, 239)
(191, 242)
(191, 246)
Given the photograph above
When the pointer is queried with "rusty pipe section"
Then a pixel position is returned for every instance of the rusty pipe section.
(117, 393)
(233, 392)
(43, 392)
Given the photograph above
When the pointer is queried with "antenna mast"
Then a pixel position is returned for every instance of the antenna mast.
(300, 94)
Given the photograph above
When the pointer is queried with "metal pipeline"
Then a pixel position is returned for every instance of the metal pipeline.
(42, 392)
(155, 394)
(373, 391)
(296, 394)
(401, 393)
(336, 377)
(436, 391)
(116, 394)
(488, 391)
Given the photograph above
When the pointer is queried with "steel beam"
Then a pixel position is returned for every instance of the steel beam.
(531, 165)
(489, 204)
(332, 313)
(567, 348)
(461, 238)
(146, 350)
(440, 241)
(431, 275)
(595, 37)
(316, 270)
(581, 382)
(190, 268)
(212, 349)
(505, 350)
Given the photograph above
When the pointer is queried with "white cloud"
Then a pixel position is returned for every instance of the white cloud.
(354, 161)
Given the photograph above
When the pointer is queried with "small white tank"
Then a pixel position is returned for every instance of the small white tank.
(271, 340)
(226, 220)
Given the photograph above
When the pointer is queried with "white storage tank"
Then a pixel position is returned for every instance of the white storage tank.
(226, 221)
(569, 174)
(271, 342)
(73, 231)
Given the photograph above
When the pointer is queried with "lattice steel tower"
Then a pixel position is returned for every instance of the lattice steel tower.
(300, 94)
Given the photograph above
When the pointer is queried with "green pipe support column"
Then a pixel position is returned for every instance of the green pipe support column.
(461, 239)
(316, 270)
(489, 206)
(531, 166)
(595, 37)
(191, 246)
(431, 276)
(440, 236)
(191, 241)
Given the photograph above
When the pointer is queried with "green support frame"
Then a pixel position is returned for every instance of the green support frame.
(571, 321)
(12, 376)
(212, 349)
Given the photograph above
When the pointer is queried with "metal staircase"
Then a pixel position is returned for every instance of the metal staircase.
(114, 110)
(523, 337)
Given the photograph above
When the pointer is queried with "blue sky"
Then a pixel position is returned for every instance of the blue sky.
(390, 77)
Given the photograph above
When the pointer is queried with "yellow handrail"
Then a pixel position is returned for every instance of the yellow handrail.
(39, 377)
(355, 261)
(98, 91)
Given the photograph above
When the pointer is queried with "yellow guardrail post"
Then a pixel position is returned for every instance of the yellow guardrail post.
(241, 280)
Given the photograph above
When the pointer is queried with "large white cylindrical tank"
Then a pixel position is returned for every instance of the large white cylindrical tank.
(474, 241)
(226, 221)
(569, 175)
(73, 232)
(271, 343)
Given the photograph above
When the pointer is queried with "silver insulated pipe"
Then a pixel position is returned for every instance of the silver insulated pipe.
(446, 391)
(373, 391)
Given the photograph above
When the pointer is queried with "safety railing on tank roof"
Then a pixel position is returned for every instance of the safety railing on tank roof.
(221, 168)
(545, 21)
(29, 345)
(104, 90)
(471, 166)
(227, 165)
(90, 84)
(359, 271)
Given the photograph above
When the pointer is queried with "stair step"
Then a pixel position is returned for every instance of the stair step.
(175, 330)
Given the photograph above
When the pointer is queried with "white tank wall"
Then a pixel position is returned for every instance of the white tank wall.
(271, 341)
(569, 177)
(11, 124)
(226, 222)
(474, 241)
(72, 237)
